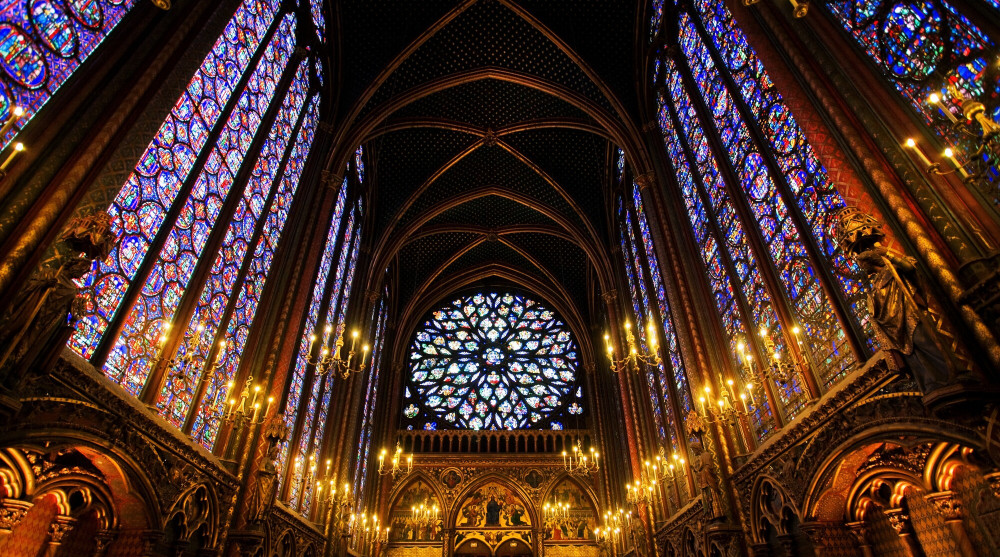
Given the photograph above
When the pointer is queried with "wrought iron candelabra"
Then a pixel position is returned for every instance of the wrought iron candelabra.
(634, 356)
(580, 463)
(395, 468)
(327, 362)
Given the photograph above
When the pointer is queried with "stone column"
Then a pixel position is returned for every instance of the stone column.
(103, 540)
(900, 521)
(951, 510)
(60, 527)
(860, 532)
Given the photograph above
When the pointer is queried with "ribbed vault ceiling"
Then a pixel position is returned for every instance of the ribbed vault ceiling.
(490, 126)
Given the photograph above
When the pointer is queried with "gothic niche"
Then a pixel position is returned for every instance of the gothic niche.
(576, 522)
(416, 515)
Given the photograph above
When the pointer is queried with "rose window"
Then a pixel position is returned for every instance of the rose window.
(492, 361)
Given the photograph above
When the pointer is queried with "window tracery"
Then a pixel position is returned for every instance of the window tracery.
(492, 361)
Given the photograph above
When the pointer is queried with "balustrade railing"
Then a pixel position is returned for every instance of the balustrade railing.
(489, 441)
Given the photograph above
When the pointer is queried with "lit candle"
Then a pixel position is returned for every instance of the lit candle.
(18, 147)
(232, 407)
(16, 113)
(912, 144)
(935, 99)
(702, 400)
(354, 339)
(312, 341)
(743, 398)
(564, 458)
(950, 155)
(267, 409)
(256, 392)
(750, 391)
(256, 408)
(364, 355)
(729, 383)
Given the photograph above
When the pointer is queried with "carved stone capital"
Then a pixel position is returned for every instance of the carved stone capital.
(11, 513)
(102, 540)
(60, 528)
(947, 504)
(900, 521)
(610, 296)
(860, 531)
(645, 179)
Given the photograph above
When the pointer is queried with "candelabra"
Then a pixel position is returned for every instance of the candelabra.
(327, 362)
(248, 414)
(185, 368)
(396, 468)
(634, 357)
(425, 513)
(580, 463)
(982, 132)
(555, 510)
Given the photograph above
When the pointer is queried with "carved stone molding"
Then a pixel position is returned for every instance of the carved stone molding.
(947, 504)
(610, 296)
(900, 521)
(11, 513)
(645, 180)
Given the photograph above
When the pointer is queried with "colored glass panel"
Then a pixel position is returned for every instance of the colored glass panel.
(639, 305)
(773, 220)
(371, 398)
(318, 400)
(142, 204)
(656, 19)
(492, 361)
(316, 8)
(42, 42)
(922, 47)
(673, 347)
(175, 398)
(312, 318)
(708, 201)
(206, 423)
(816, 199)
(131, 359)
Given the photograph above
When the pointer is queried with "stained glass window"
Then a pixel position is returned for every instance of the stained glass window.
(297, 384)
(926, 46)
(759, 205)
(656, 376)
(215, 295)
(317, 403)
(672, 345)
(371, 398)
(131, 359)
(42, 42)
(143, 202)
(491, 360)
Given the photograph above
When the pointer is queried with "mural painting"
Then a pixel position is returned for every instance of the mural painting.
(571, 515)
(494, 514)
(416, 516)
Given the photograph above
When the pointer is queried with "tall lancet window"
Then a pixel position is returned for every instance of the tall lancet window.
(928, 46)
(200, 219)
(760, 205)
(309, 392)
(363, 458)
(42, 43)
(670, 393)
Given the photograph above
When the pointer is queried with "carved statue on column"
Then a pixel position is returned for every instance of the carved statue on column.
(704, 465)
(262, 499)
(901, 315)
(40, 317)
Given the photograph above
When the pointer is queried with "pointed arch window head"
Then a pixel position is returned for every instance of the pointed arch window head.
(42, 42)
(492, 360)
